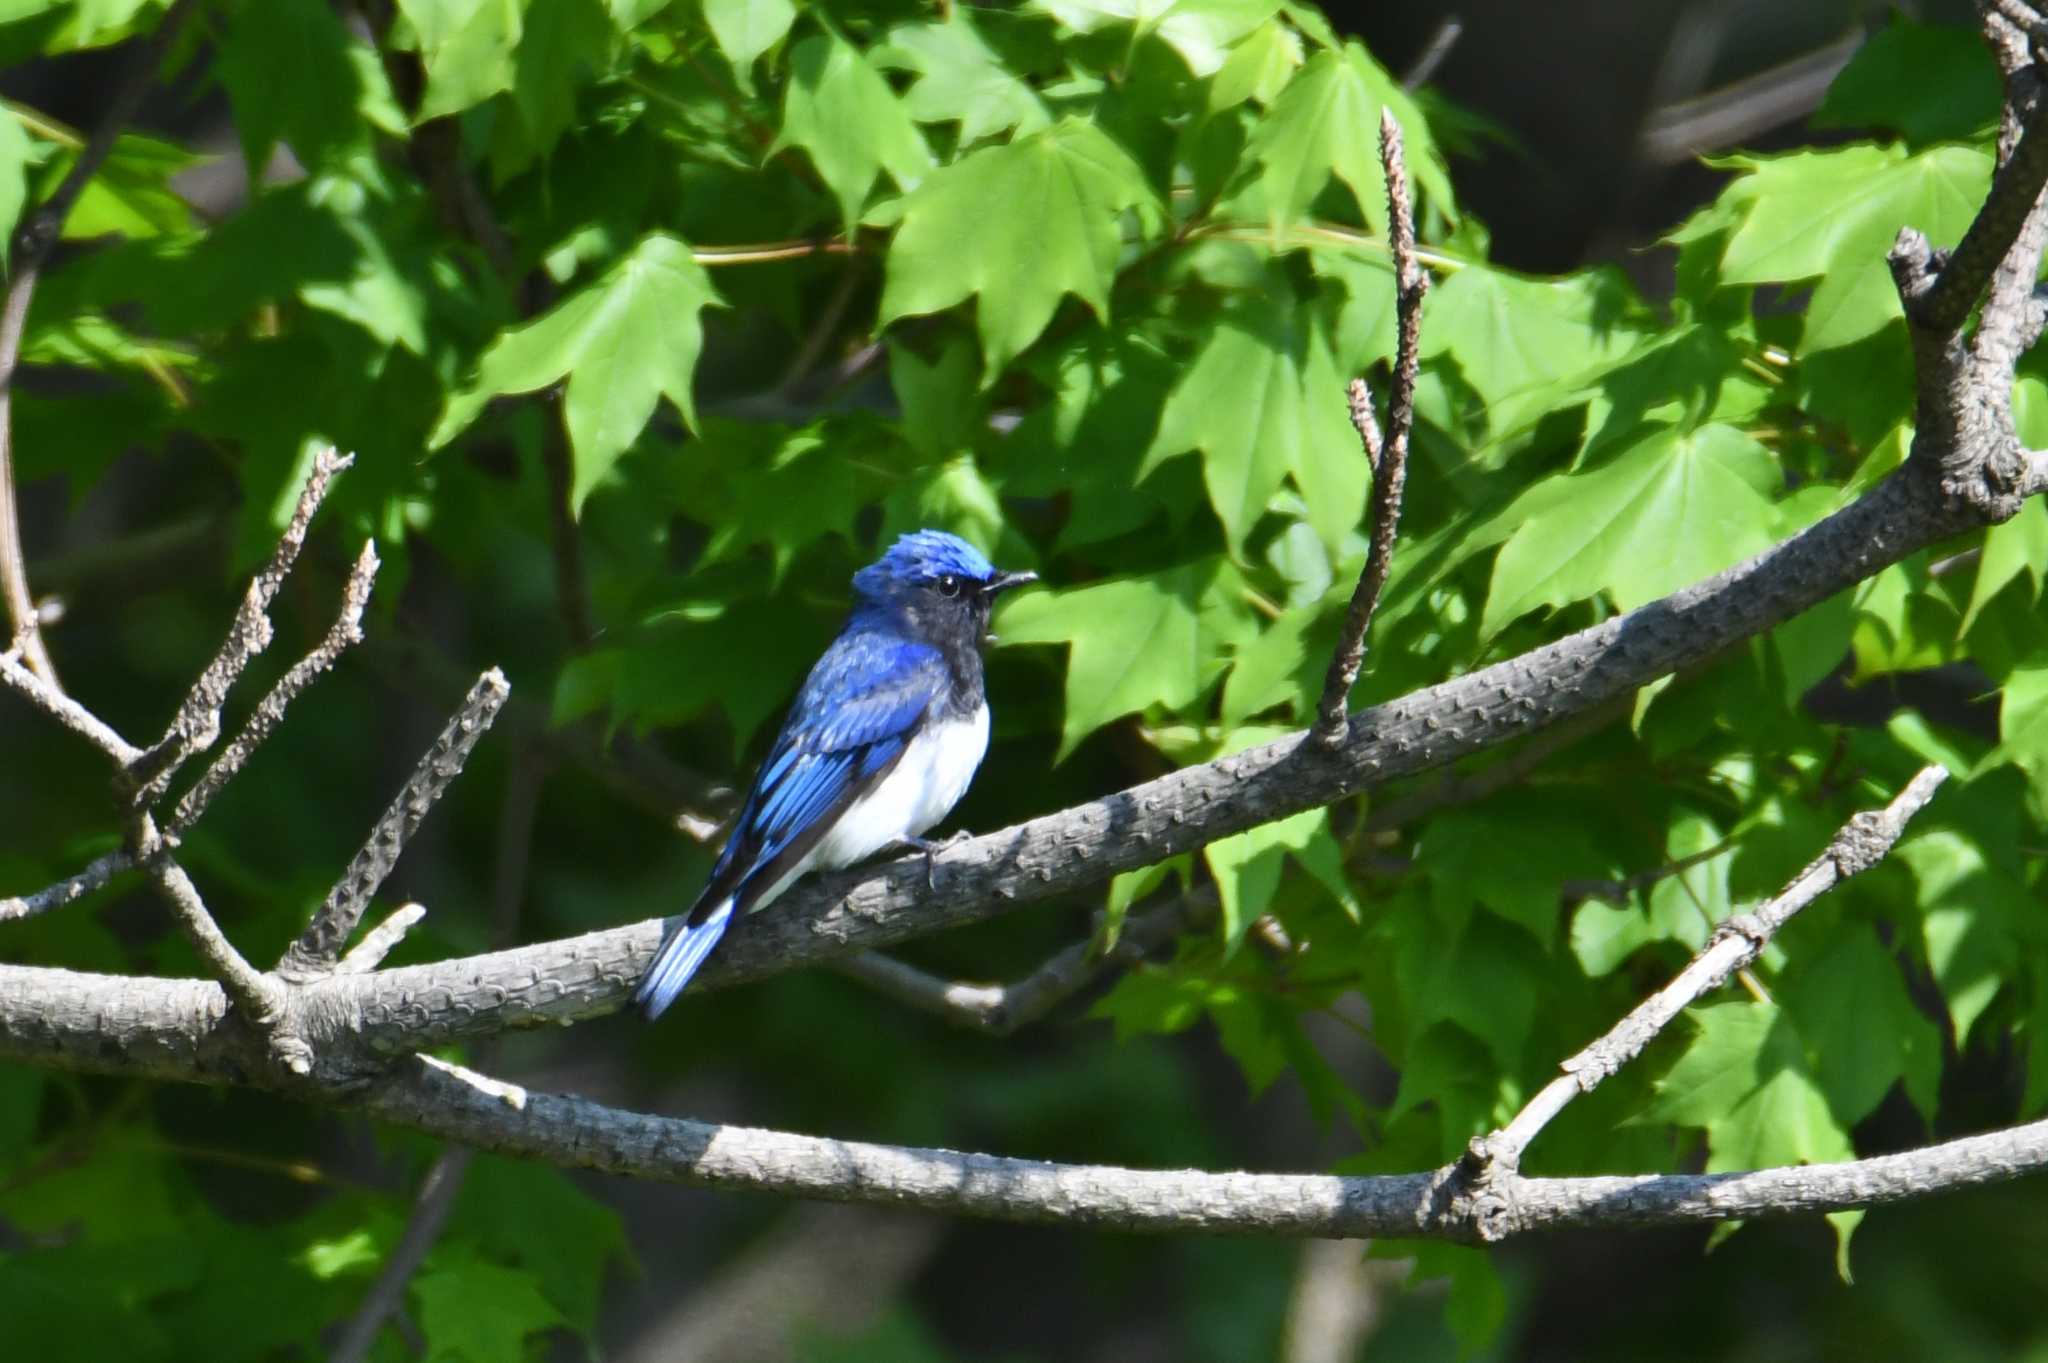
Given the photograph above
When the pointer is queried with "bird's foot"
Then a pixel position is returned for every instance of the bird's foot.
(931, 847)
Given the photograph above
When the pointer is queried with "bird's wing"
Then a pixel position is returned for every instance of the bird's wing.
(846, 731)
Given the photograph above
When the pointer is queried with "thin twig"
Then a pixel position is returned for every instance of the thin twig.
(259, 998)
(1001, 1009)
(197, 723)
(64, 710)
(314, 954)
(377, 943)
(1618, 891)
(1439, 46)
(820, 334)
(1390, 460)
(68, 890)
(1942, 304)
(269, 713)
(33, 240)
(438, 1191)
(1861, 843)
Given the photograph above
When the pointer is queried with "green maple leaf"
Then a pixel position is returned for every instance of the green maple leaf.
(767, 485)
(1832, 216)
(961, 79)
(966, 232)
(1257, 68)
(1155, 639)
(1263, 398)
(1324, 124)
(130, 194)
(478, 1312)
(293, 71)
(1746, 1080)
(624, 342)
(562, 44)
(1863, 1029)
(1247, 865)
(467, 47)
(744, 29)
(1199, 30)
(1932, 82)
(1971, 914)
(843, 114)
(1518, 341)
(1675, 508)
(16, 151)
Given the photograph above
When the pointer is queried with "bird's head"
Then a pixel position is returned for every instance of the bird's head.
(939, 580)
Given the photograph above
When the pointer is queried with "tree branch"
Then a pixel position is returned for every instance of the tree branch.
(317, 949)
(825, 917)
(269, 713)
(68, 890)
(197, 722)
(458, 1104)
(1001, 1009)
(66, 711)
(259, 999)
(438, 1191)
(1389, 459)
(1737, 942)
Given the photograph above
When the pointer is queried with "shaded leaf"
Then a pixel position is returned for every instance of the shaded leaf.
(624, 342)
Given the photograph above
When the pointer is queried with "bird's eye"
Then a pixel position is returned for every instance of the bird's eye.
(949, 585)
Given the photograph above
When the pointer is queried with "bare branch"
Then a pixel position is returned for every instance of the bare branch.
(458, 1104)
(1618, 891)
(269, 713)
(320, 945)
(68, 890)
(378, 942)
(1002, 1009)
(197, 723)
(1390, 459)
(64, 710)
(1737, 942)
(259, 998)
(438, 1191)
(1448, 31)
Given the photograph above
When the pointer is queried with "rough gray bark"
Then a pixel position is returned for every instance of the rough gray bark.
(447, 1102)
(356, 1021)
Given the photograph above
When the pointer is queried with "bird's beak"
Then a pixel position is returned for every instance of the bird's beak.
(1002, 582)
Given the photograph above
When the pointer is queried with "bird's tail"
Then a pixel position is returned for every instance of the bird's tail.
(682, 952)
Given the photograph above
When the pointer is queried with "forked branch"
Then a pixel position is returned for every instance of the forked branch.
(1388, 457)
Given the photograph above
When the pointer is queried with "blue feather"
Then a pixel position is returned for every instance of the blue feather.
(680, 956)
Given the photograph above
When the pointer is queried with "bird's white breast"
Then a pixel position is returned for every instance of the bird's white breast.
(928, 780)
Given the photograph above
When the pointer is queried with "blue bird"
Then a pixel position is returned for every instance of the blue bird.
(881, 743)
